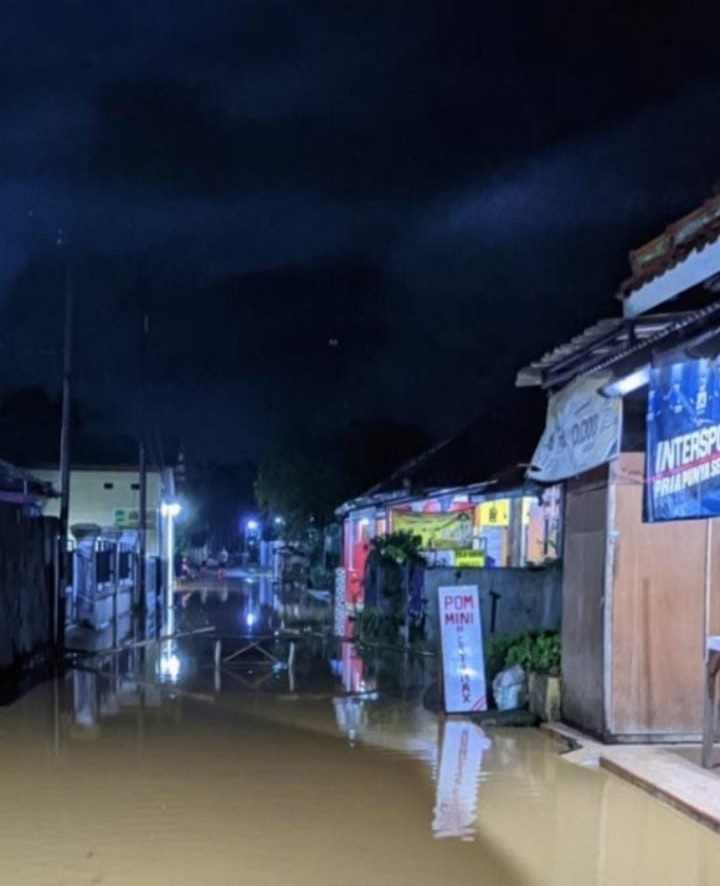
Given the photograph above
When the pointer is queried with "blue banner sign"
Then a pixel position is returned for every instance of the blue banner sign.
(682, 465)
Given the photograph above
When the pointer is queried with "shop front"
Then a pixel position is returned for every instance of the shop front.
(634, 432)
(488, 526)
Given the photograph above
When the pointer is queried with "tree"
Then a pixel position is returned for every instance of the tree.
(305, 477)
(301, 480)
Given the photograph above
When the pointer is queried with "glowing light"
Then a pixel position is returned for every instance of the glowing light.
(252, 525)
(170, 666)
(250, 619)
(629, 383)
(170, 509)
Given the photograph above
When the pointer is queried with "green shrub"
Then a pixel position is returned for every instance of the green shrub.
(538, 652)
(372, 625)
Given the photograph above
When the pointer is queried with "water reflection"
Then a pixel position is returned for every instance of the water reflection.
(179, 784)
(283, 769)
(462, 745)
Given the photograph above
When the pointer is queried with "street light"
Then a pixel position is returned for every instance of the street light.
(627, 384)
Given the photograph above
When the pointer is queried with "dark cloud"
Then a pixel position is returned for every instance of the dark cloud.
(442, 187)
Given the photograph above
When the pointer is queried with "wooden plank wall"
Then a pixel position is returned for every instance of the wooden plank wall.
(583, 581)
(659, 620)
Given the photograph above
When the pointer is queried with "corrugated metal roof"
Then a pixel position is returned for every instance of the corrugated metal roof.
(512, 481)
(609, 341)
(470, 459)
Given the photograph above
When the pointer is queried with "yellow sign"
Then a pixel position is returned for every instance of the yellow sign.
(436, 531)
(495, 513)
(469, 558)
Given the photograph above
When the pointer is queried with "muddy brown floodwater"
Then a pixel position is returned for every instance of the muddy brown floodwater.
(127, 787)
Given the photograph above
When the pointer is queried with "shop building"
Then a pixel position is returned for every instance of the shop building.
(505, 521)
(633, 415)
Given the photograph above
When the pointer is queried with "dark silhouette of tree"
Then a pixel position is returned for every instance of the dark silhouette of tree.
(307, 476)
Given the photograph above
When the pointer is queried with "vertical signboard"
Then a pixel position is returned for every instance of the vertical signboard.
(463, 662)
(682, 462)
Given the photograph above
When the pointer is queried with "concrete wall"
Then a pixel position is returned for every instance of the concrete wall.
(26, 587)
(95, 494)
(527, 599)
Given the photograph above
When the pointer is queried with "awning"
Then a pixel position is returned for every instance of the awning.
(611, 342)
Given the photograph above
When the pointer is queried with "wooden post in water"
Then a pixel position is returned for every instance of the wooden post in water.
(217, 654)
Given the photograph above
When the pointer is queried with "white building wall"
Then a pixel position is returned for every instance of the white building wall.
(97, 493)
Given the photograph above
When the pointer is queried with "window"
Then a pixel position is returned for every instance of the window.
(108, 485)
(135, 486)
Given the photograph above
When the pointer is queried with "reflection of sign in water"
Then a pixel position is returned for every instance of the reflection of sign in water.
(349, 715)
(462, 649)
(462, 747)
(437, 530)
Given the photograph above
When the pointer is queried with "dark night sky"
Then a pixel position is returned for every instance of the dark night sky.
(445, 187)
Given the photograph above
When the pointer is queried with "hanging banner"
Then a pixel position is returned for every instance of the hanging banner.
(682, 463)
(437, 531)
(582, 431)
(461, 646)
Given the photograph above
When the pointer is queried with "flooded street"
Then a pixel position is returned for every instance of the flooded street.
(114, 778)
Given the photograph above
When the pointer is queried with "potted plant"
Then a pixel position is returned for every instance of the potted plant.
(539, 655)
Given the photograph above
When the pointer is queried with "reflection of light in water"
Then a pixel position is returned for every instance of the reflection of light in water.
(170, 666)
(462, 746)
(348, 712)
(85, 698)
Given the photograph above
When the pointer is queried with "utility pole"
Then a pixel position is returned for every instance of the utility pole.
(64, 559)
(142, 465)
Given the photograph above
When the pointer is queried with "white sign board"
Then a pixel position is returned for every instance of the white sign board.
(582, 431)
(458, 779)
(463, 662)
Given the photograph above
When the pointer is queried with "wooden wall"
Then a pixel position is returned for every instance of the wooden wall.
(660, 582)
(583, 584)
